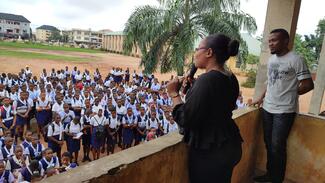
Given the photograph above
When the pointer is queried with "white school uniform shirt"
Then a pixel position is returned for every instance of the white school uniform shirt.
(78, 77)
(50, 164)
(170, 127)
(155, 87)
(67, 116)
(153, 123)
(27, 152)
(58, 108)
(30, 102)
(144, 121)
(4, 93)
(73, 128)
(8, 110)
(14, 96)
(19, 162)
(77, 102)
(10, 152)
(129, 120)
(96, 120)
(58, 129)
(42, 104)
(24, 102)
(121, 110)
(113, 122)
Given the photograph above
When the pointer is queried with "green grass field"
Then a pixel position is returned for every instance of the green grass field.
(45, 47)
(32, 55)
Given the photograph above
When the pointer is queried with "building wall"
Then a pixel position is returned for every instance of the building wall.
(19, 28)
(42, 34)
(114, 43)
(306, 150)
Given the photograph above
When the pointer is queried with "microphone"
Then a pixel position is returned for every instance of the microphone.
(191, 77)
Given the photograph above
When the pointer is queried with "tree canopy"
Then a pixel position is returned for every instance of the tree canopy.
(167, 34)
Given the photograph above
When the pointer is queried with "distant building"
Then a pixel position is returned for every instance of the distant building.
(113, 42)
(14, 26)
(86, 36)
(44, 32)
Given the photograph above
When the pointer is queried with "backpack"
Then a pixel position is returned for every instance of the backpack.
(68, 126)
(45, 130)
(100, 131)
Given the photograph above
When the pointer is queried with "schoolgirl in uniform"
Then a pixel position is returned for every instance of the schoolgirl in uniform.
(112, 131)
(8, 116)
(129, 122)
(22, 109)
(16, 162)
(66, 163)
(98, 123)
(55, 135)
(28, 139)
(35, 149)
(86, 137)
(8, 149)
(141, 129)
(5, 175)
(48, 161)
(153, 122)
(71, 130)
(77, 104)
(121, 112)
(43, 112)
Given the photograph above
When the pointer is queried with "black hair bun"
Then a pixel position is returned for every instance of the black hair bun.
(233, 47)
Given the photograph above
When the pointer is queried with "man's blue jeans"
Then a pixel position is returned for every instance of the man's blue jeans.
(276, 129)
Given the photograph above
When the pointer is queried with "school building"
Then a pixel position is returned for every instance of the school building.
(165, 159)
(14, 26)
(44, 32)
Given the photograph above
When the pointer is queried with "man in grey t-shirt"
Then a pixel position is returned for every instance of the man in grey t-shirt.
(288, 77)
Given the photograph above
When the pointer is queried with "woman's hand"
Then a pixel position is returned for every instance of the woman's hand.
(174, 86)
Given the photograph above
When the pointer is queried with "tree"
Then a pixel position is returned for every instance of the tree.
(252, 59)
(314, 41)
(301, 47)
(55, 36)
(166, 35)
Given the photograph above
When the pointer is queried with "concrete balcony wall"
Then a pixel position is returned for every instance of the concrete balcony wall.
(165, 159)
(306, 150)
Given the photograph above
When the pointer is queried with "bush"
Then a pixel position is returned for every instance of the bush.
(250, 81)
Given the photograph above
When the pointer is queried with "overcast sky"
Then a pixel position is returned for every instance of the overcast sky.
(112, 14)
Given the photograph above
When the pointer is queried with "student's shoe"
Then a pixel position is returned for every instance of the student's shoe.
(263, 178)
(84, 159)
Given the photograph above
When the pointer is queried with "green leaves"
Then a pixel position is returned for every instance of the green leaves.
(166, 34)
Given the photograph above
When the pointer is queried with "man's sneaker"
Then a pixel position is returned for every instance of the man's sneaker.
(263, 178)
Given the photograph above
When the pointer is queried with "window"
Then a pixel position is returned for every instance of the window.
(78, 32)
(78, 37)
(25, 31)
(17, 31)
(86, 38)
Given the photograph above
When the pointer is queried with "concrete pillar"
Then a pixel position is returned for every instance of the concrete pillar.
(280, 14)
(316, 99)
(122, 39)
(110, 42)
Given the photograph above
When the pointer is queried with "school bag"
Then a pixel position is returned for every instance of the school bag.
(45, 130)
(100, 131)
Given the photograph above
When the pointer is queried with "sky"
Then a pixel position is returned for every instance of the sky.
(112, 14)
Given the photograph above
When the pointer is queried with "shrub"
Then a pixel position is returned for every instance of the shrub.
(250, 81)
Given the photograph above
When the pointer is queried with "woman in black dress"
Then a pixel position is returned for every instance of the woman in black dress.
(206, 116)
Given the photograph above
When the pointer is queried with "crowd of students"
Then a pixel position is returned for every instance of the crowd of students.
(72, 108)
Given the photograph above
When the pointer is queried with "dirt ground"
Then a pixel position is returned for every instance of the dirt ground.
(105, 61)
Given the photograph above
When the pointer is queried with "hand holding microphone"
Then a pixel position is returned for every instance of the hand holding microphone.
(175, 85)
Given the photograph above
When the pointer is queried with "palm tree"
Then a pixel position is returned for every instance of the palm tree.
(166, 35)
